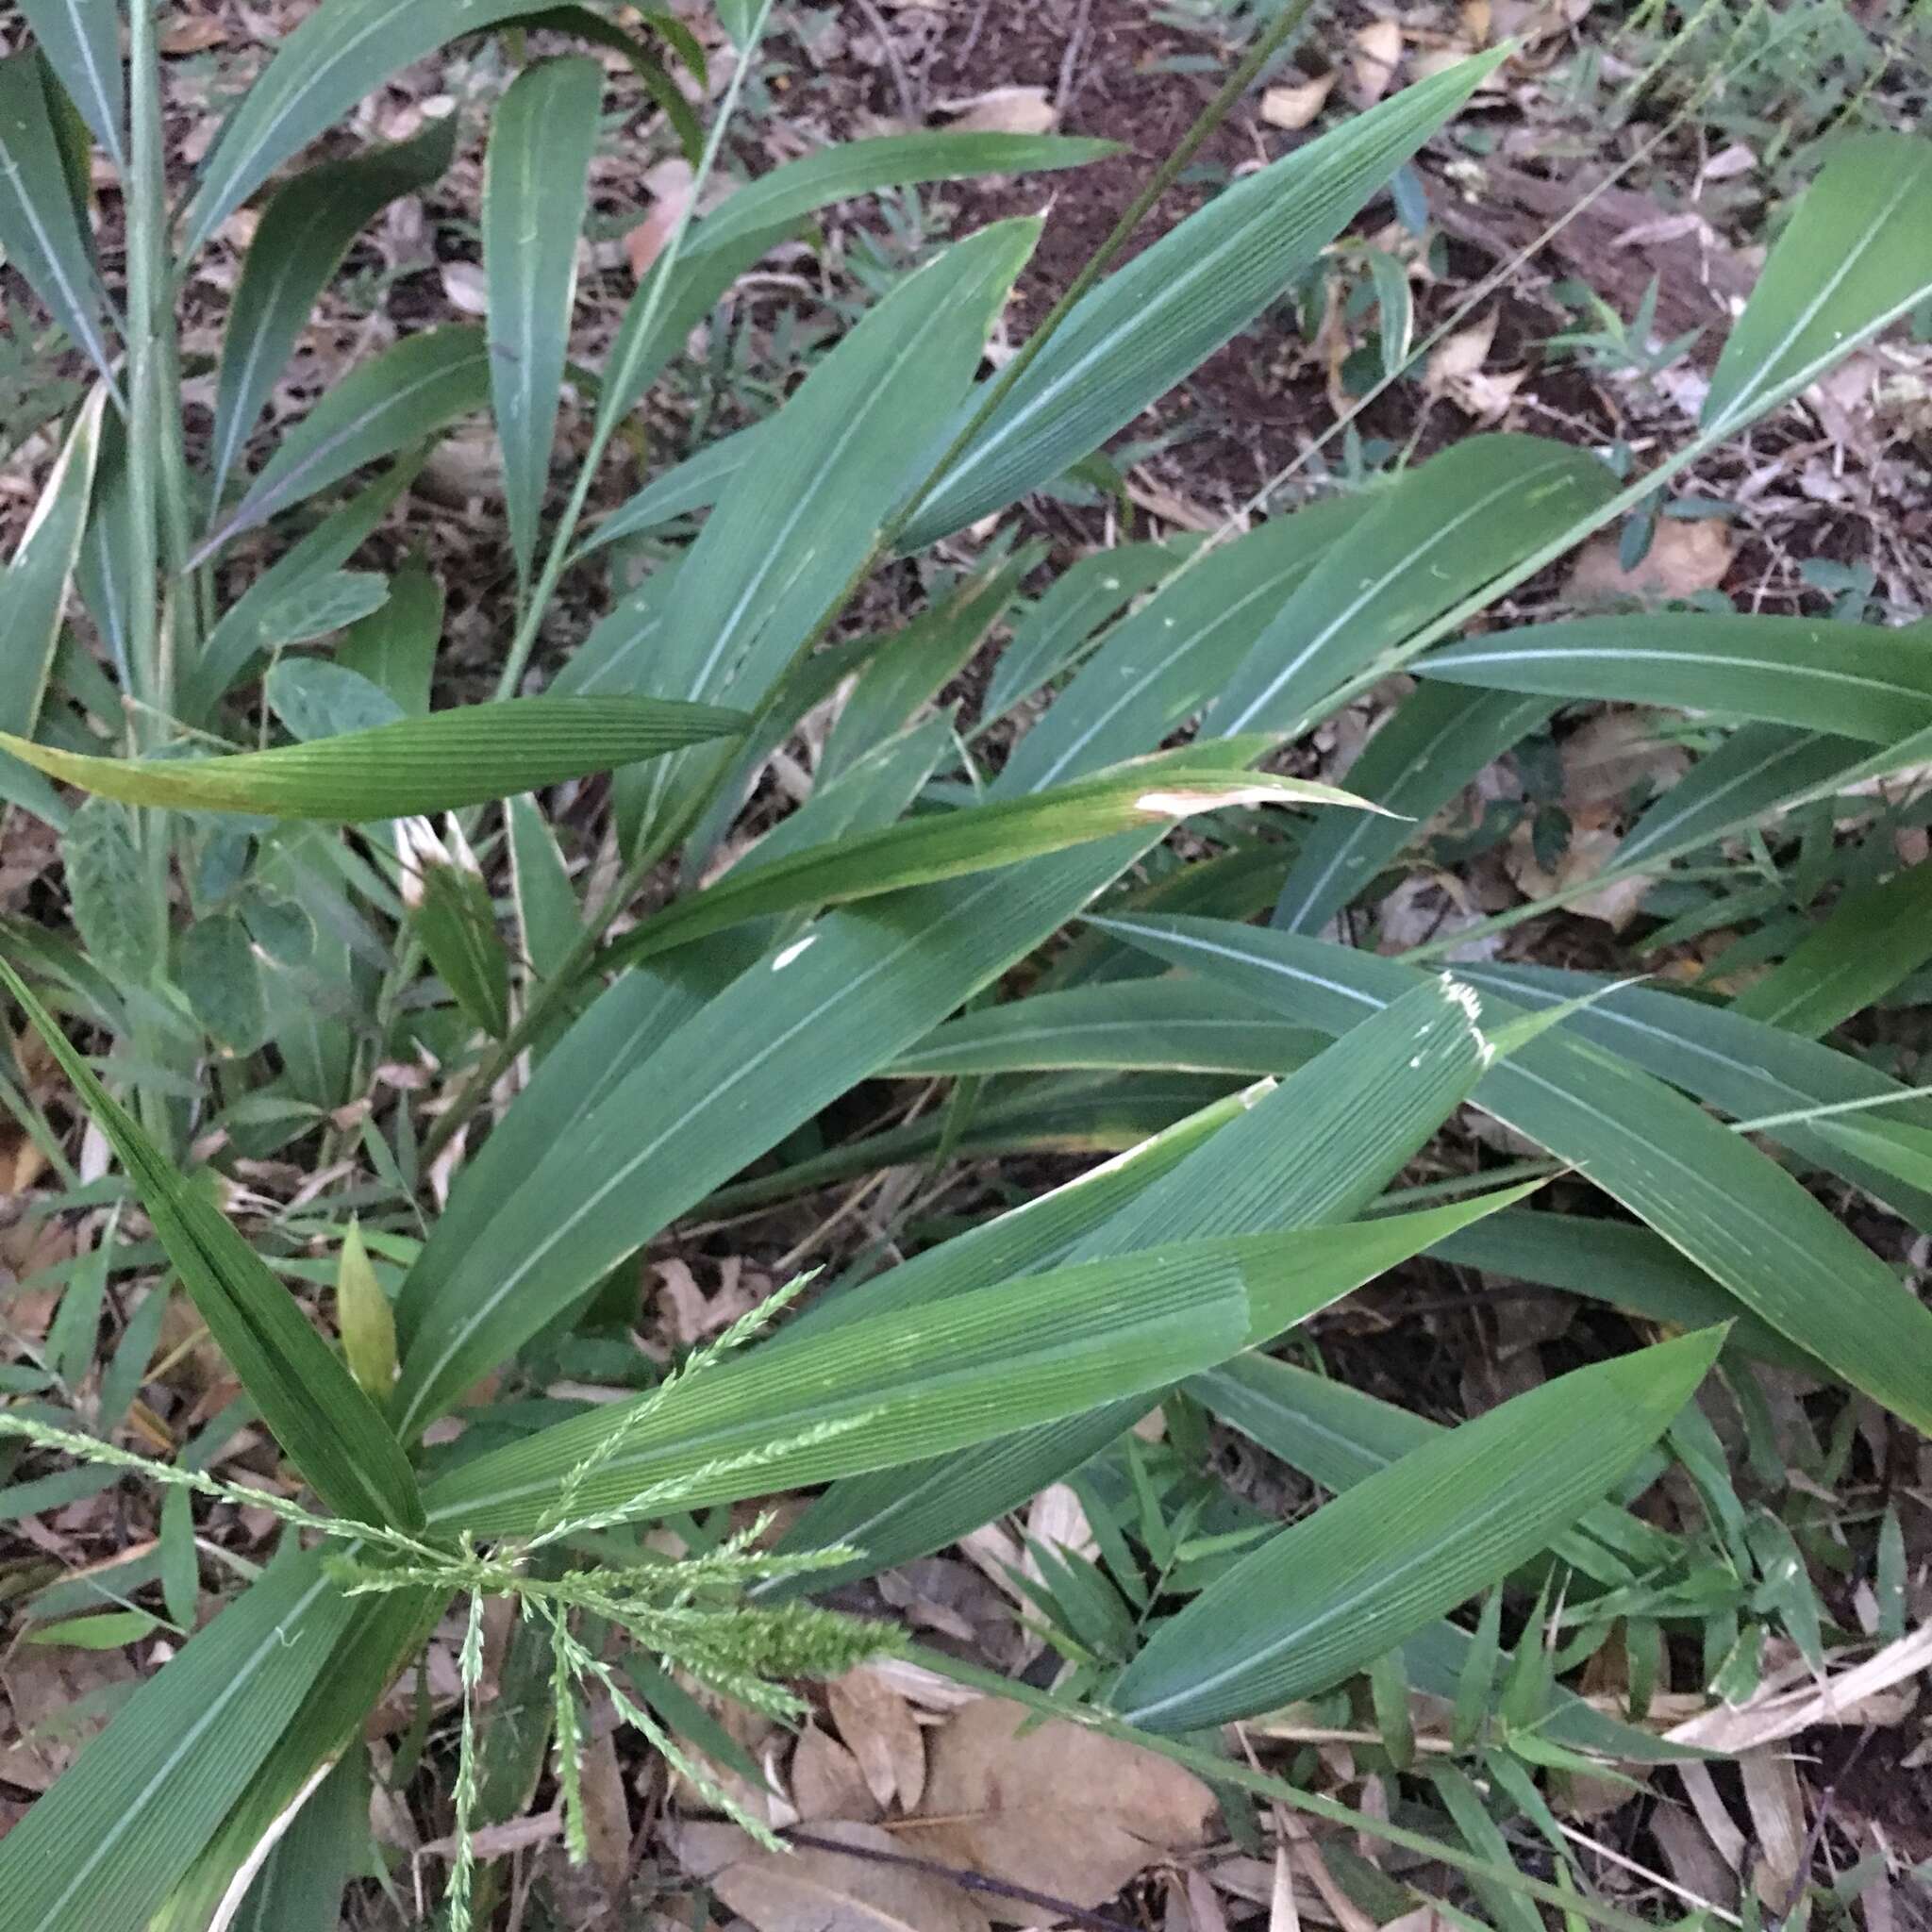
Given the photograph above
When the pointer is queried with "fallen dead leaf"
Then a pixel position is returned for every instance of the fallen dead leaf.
(1684, 558)
(1588, 851)
(1612, 751)
(1295, 106)
(1373, 59)
(1004, 111)
(806, 1890)
(1461, 354)
(668, 185)
(464, 284)
(827, 1781)
(883, 1735)
(1060, 1809)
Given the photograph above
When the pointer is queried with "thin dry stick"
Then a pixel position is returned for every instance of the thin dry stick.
(966, 1881)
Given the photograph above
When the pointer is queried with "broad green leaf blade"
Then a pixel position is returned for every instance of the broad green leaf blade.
(536, 189)
(697, 483)
(1161, 791)
(1618, 1262)
(1855, 680)
(1152, 324)
(395, 647)
(341, 51)
(299, 1886)
(1317, 1149)
(1708, 1191)
(1753, 771)
(1439, 535)
(803, 1025)
(1868, 942)
(1028, 1240)
(852, 168)
(250, 627)
(1075, 1114)
(82, 40)
(1082, 598)
(1171, 656)
(1339, 1438)
(33, 593)
(299, 242)
(40, 232)
(588, 26)
(720, 246)
(1173, 1025)
(1858, 251)
(838, 459)
(901, 677)
(383, 1634)
(329, 1430)
(1430, 747)
(1371, 1569)
(891, 1390)
(400, 397)
(1738, 1065)
(548, 915)
(101, 1850)
(896, 1514)
(415, 765)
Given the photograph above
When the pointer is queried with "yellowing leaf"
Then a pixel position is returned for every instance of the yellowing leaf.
(367, 1323)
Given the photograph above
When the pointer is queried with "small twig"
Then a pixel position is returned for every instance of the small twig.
(902, 81)
(966, 1881)
(1802, 1880)
(1070, 78)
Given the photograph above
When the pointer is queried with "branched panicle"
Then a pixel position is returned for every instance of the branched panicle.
(688, 1611)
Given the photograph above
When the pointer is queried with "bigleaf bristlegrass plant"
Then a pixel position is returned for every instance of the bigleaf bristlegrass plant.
(253, 964)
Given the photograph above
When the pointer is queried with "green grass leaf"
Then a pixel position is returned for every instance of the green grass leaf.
(1348, 1583)
(1708, 1191)
(1858, 251)
(82, 44)
(299, 242)
(100, 1851)
(328, 1428)
(42, 231)
(1438, 535)
(1161, 791)
(342, 50)
(536, 184)
(834, 463)
(400, 397)
(34, 592)
(1157, 320)
(897, 1387)
(467, 755)
(1855, 680)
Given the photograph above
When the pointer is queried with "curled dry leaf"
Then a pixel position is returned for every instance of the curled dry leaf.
(884, 1736)
(1005, 111)
(807, 1889)
(1683, 558)
(1295, 106)
(1373, 59)
(1058, 1808)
